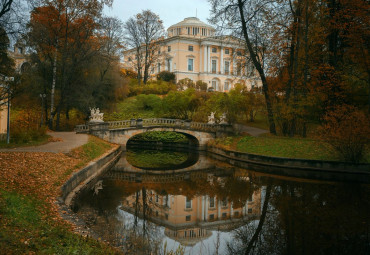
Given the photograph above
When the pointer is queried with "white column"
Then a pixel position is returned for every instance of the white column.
(222, 60)
(206, 208)
(231, 209)
(202, 218)
(205, 59)
(209, 58)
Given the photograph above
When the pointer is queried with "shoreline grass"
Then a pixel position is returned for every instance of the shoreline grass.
(285, 147)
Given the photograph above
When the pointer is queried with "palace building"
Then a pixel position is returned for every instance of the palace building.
(193, 50)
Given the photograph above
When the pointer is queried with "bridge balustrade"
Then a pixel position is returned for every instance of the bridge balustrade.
(156, 122)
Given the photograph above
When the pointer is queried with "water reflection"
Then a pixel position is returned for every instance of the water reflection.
(214, 208)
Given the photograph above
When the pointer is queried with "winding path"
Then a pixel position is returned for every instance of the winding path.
(65, 142)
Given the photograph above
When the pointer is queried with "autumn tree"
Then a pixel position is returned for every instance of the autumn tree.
(63, 33)
(242, 17)
(144, 33)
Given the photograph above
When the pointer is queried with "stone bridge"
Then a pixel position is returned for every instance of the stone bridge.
(199, 134)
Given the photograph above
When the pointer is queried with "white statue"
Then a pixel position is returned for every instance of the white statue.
(211, 118)
(223, 119)
(95, 115)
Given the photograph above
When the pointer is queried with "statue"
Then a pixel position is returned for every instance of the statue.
(223, 119)
(211, 118)
(95, 115)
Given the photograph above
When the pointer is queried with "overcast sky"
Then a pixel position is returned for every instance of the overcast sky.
(170, 11)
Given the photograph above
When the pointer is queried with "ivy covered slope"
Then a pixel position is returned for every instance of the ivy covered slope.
(161, 136)
(29, 218)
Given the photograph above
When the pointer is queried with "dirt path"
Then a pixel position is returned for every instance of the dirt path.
(250, 130)
(64, 142)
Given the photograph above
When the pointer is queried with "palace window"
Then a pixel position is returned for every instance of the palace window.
(212, 202)
(187, 218)
(224, 202)
(239, 53)
(226, 87)
(211, 217)
(169, 63)
(239, 69)
(169, 48)
(214, 65)
(224, 215)
(190, 64)
(188, 203)
(227, 51)
(159, 67)
(188, 28)
(214, 85)
(214, 50)
(227, 67)
(190, 47)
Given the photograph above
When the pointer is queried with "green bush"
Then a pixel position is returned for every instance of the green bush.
(166, 76)
(152, 87)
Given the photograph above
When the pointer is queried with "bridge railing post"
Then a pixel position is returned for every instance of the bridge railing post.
(187, 123)
(132, 122)
(139, 123)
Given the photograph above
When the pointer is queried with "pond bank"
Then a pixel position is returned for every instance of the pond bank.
(306, 168)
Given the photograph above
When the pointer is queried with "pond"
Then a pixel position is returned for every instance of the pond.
(153, 202)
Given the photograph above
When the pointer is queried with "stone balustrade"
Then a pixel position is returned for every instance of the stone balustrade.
(158, 122)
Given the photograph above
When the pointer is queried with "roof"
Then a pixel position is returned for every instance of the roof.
(191, 21)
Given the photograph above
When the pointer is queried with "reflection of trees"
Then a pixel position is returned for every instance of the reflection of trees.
(308, 218)
(142, 237)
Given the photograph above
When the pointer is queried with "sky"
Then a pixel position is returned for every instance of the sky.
(169, 11)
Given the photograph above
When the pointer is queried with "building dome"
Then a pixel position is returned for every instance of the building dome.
(192, 27)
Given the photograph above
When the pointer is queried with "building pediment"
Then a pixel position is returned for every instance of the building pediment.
(190, 56)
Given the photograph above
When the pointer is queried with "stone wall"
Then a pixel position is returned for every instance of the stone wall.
(89, 173)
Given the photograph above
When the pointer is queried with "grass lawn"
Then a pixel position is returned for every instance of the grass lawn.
(42, 140)
(29, 185)
(129, 109)
(260, 121)
(286, 147)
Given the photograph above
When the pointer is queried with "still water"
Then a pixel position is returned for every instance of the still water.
(153, 202)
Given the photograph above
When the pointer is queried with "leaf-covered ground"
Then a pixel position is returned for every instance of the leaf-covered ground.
(29, 185)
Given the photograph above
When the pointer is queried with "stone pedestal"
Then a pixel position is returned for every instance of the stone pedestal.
(99, 129)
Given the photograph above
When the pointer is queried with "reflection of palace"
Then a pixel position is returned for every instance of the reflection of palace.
(190, 220)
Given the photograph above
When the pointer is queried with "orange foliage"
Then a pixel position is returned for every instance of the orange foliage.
(347, 130)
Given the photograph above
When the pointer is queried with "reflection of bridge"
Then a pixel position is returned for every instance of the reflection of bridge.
(121, 131)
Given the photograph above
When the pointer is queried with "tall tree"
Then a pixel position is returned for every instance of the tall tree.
(237, 16)
(144, 34)
(62, 32)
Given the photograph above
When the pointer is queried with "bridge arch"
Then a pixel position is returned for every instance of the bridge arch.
(193, 141)
(122, 136)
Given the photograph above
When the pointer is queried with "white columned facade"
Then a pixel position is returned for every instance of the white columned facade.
(222, 60)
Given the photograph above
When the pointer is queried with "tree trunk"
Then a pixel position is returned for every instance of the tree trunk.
(52, 113)
(259, 68)
(261, 221)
